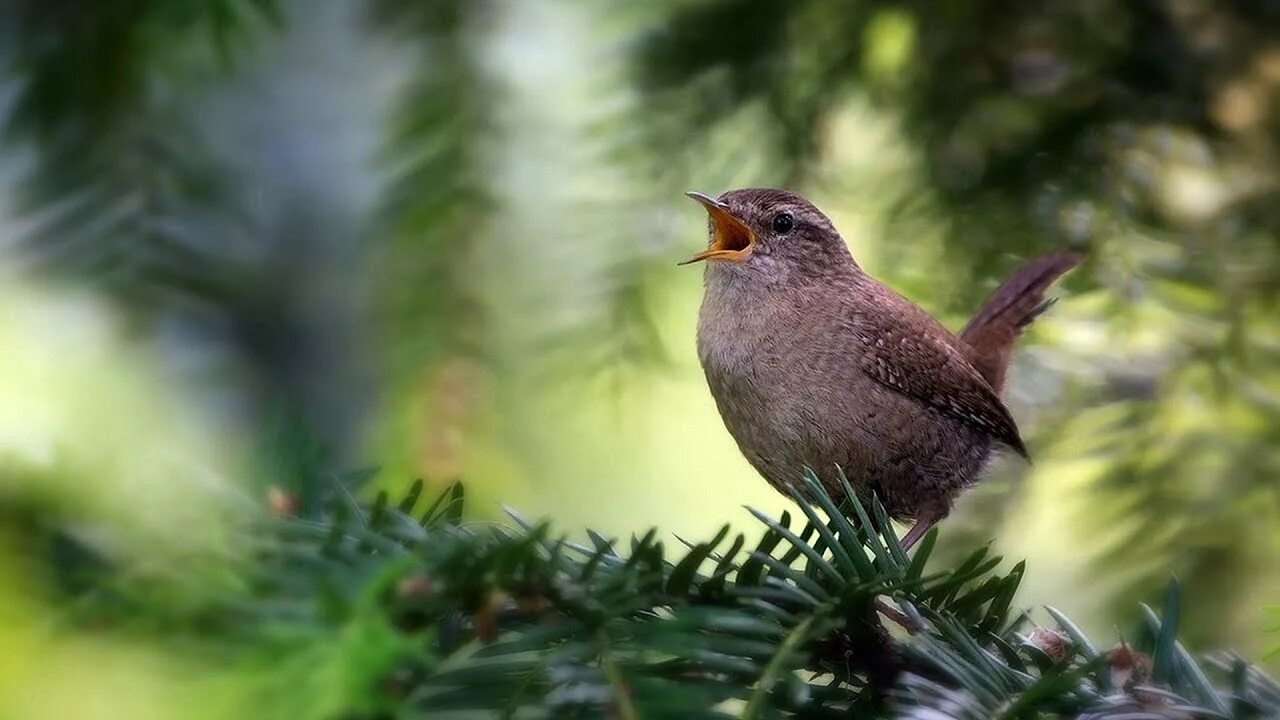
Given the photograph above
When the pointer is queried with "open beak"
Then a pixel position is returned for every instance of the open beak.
(731, 239)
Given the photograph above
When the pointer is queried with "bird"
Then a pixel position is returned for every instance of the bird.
(814, 365)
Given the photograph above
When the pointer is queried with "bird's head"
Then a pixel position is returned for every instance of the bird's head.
(771, 235)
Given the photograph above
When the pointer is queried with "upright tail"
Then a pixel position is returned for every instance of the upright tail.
(989, 336)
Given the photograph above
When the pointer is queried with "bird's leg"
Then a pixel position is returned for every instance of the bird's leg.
(925, 520)
(897, 616)
(921, 526)
(916, 532)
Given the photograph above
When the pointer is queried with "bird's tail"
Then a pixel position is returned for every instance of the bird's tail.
(989, 336)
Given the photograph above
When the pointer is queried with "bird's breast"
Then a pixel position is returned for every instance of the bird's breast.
(752, 352)
(739, 335)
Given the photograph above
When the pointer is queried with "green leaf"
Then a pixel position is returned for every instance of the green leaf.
(779, 665)
(410, 498)
(682, 575)
(805, 548)
(1171, 658)
(848, 551)
(716, 583)
(887, 532)
(1162, 661)
(447, 507)
(872, 539)
(923, 550)
(752, 569)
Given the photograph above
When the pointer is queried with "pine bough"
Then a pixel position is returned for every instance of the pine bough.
(516, 622)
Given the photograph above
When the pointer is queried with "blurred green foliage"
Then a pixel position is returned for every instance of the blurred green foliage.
(439, 234)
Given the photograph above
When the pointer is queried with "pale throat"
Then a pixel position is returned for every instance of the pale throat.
(741, 320)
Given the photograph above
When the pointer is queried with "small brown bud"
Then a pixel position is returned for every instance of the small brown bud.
(532, 605)
(486, 619)
(280, 503)
(1129, 667)
(414, 587)
(1053, 643)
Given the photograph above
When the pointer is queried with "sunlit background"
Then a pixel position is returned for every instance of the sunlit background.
(248, 243)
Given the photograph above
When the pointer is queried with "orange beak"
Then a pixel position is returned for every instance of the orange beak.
(731, 239)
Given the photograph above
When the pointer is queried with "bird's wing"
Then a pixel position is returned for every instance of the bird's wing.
(931, 371)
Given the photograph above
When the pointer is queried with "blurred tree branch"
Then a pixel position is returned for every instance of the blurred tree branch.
(116, 184)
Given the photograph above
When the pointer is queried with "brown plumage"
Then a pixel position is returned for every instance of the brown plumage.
(989, 336)
(813, 363)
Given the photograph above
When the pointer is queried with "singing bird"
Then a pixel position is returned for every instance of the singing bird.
(815, 364)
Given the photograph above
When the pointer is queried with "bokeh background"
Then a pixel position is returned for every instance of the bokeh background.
(247, 243)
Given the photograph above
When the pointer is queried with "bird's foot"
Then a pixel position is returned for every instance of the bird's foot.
(922, 525)
(897, 616)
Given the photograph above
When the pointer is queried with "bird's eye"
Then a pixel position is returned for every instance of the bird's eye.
(783, 222)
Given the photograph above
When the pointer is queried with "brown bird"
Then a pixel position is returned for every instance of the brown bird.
(813, 363)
